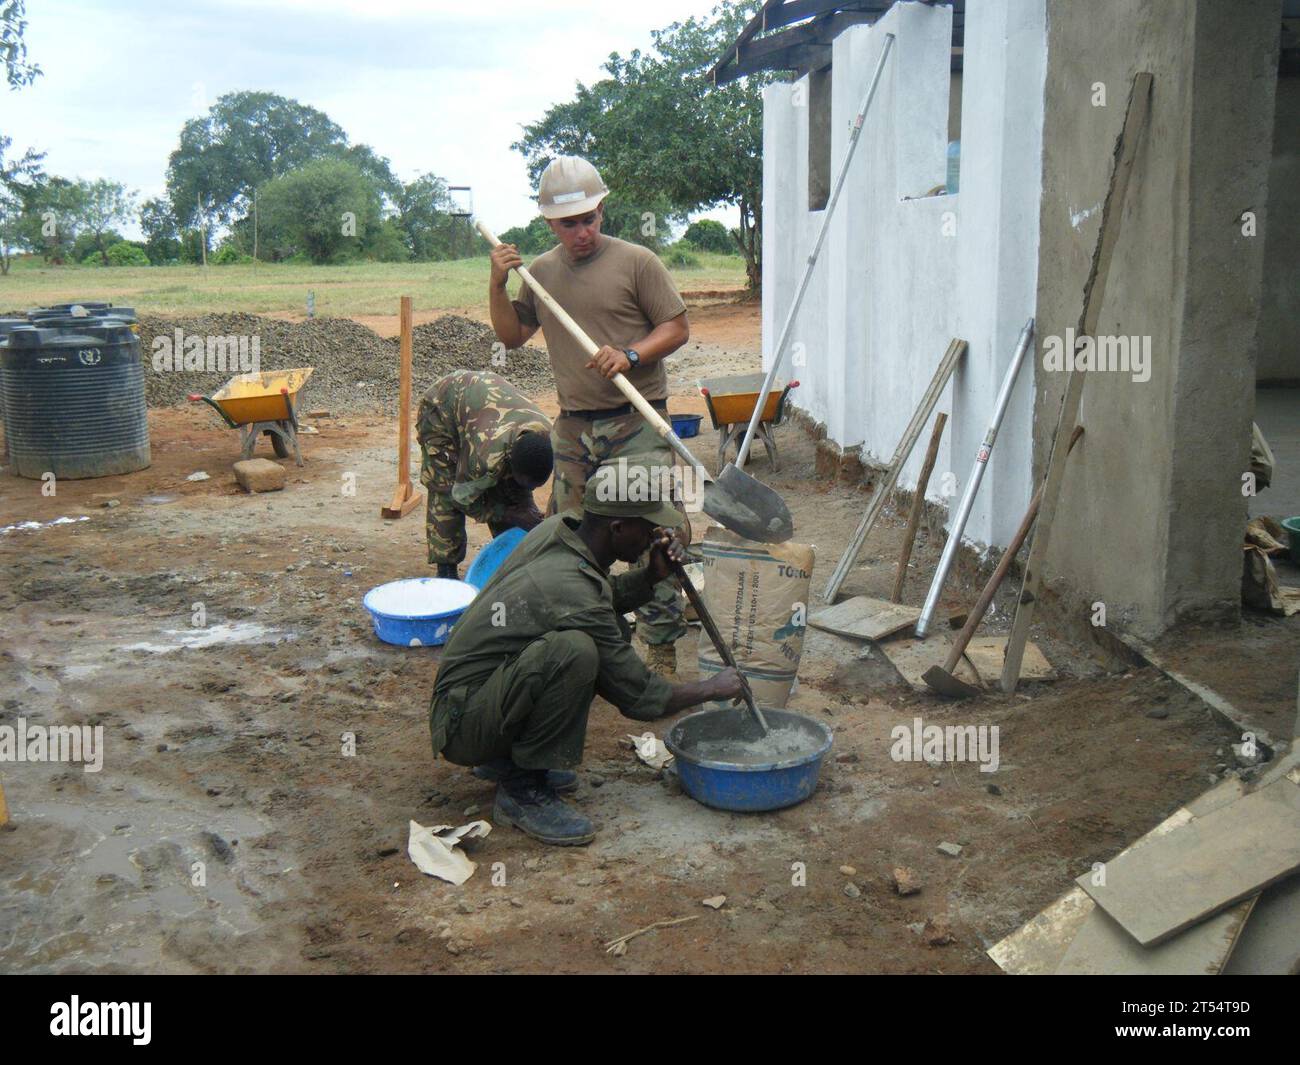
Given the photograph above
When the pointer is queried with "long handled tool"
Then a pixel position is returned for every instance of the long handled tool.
(778, 354)
(973, 484)
(944, 679)
(706, 619)
(739, 502)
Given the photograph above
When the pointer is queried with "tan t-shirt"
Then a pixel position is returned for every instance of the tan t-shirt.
(617, 295)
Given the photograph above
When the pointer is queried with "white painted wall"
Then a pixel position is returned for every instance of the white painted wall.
(895, 284)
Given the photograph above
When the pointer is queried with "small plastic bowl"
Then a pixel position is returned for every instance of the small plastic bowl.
(417, 611)
(489, 560)
(1292, 527)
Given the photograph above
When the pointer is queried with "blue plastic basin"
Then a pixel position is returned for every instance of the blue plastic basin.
(686, 425)
(746, 787)
(490, 558)
(414, 612)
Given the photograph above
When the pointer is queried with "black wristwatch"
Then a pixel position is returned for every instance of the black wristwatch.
(632, 356)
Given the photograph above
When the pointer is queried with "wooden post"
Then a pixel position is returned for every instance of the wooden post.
(4, 807)
(918, 505)
(1094, 289)
(406, 498)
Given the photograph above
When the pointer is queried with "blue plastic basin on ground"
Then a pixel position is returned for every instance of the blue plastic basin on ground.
(490, 558)
(1292, 527)
(746, 788)
(686, 425)
(417, 611)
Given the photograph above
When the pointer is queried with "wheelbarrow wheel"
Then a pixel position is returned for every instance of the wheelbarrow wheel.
(279, 445)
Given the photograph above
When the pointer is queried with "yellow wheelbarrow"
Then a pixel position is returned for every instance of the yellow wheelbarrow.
(731, 402)
(257, 403)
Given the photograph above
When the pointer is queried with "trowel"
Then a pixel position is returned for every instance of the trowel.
(736, 500)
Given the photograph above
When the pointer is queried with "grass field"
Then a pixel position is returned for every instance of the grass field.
(345, 291)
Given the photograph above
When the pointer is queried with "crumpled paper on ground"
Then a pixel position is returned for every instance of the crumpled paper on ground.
(436, 851)
(650, 749)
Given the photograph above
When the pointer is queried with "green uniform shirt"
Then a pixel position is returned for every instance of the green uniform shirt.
(468, 421)
(552, 582)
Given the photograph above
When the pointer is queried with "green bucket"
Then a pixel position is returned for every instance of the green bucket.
(1292, 526)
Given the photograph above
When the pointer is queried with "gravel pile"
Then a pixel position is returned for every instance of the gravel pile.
(356, 370)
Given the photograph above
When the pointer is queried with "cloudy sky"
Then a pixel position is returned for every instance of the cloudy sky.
(436, 86)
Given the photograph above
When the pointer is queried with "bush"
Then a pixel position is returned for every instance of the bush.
(679, 255)
(127, 253)
(708, 235)
(228, 255)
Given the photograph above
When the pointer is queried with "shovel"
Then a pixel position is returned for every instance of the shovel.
(745, 506)
(942, 678)
(706, 620)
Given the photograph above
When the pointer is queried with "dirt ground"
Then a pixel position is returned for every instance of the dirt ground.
(224, 745)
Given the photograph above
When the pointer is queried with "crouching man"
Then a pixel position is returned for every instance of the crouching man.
(544, 637)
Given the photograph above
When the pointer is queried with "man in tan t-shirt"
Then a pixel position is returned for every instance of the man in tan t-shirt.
(625, 299)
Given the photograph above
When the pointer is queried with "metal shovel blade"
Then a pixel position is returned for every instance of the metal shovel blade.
(945, 683)
(748, 507)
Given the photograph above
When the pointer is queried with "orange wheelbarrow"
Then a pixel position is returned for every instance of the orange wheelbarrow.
(257, 403)
(731, 402)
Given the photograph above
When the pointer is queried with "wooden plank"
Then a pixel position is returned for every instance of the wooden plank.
(1094, 289)
(986, 654)
(4, 806)
(865, 618)
(1204, 866)
(1270, 943)
(1039, 945)
(918, 506)
(912, 657)
(1102, 948)
(956, 349)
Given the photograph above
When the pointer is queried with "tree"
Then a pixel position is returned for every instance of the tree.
(13, 25)
(532, 239)
(662, 136)
(708, 235)
(424, 215)
(323, 210)
(19, 179)
(161, 231)
(248, 139)
(52, 217)
(104, 204)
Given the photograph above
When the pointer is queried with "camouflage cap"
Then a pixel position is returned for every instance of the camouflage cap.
(635, 486)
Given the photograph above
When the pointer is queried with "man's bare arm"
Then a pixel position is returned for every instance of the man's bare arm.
(659, 343)
(505, 319)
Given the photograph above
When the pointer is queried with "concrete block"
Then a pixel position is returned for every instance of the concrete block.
(259, 475)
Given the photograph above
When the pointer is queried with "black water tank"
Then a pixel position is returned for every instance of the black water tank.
(73, 398)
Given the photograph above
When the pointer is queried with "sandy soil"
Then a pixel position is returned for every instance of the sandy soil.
(230, 754)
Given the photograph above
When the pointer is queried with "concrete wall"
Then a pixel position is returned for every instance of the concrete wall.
(1152, 514)
(903, 273)
(1279, 318)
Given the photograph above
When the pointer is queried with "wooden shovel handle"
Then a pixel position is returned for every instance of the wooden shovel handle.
(1004, 563)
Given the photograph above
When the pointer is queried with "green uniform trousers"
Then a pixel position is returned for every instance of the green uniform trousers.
(532, 709)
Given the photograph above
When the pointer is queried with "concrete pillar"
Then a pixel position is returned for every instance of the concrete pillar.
(1152, 515)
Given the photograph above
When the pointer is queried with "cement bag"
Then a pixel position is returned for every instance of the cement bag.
(758, 596)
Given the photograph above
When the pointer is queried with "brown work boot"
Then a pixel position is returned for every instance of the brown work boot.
(661, 658)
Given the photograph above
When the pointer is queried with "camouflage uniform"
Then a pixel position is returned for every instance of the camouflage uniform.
(581, 445)
(467, 423)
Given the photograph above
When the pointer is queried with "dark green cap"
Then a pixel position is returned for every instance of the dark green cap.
(633, 486)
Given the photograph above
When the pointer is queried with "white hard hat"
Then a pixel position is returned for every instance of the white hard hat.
(569, 186)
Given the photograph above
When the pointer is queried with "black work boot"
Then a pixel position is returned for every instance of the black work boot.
(527, 802)
(562, 780)
(447, 571)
